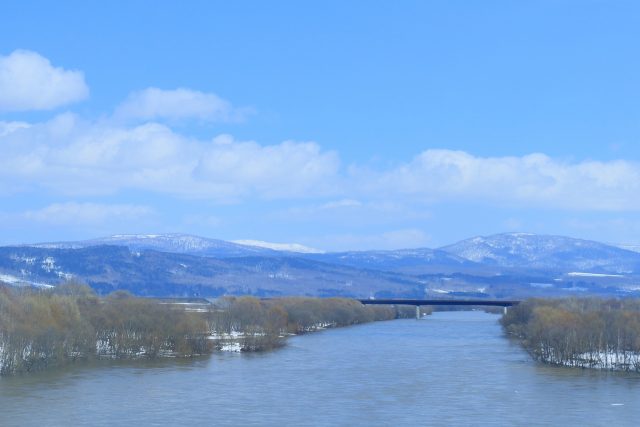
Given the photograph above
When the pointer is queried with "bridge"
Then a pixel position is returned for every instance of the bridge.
(419, 302)
(200, 304)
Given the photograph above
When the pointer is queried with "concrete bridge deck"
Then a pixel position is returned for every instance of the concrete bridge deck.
(420, 302)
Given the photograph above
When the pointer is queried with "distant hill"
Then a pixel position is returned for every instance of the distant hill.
(547, 253)
(410, 261)
(283, 247)
(109, 268)
(500, 266)
(176, 243)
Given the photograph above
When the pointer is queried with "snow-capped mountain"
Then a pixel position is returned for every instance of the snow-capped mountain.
(286, 247)
(107, 268)
(503, 265)
(176, 243)
(542, 252)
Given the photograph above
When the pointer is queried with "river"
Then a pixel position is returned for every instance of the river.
(451, 368)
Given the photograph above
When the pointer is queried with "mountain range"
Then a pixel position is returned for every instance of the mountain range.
(502, 265)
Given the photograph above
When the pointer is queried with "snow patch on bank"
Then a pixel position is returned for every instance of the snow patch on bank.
(233, 347)
(612, 361)
(17, 281)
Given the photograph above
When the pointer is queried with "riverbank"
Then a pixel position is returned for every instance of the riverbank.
(45, 328)
(579, 332)
(250, 324)
(454, 368)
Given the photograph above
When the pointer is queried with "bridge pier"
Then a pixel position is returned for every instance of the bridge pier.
(504, 310)
(417, 312)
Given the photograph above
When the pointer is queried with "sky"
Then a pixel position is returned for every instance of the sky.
(337, 125)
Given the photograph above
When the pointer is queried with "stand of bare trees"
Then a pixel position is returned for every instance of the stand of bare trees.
(580, 332)
(41, 328)
(264, 324)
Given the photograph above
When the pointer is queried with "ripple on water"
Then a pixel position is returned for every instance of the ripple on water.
(450, 368)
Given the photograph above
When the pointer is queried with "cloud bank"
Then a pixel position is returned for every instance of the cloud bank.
(69, 156)
(28, 81)
(534, 180)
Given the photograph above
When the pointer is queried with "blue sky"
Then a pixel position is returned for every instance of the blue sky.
(340, 125)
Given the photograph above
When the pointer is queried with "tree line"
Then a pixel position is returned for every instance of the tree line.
(264, 324)
(42, 328)
(580, 332)
(69, 322)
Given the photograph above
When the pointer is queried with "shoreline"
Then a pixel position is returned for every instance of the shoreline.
(56, 327)
(586, 333)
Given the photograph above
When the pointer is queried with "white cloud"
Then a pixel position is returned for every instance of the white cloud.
(28, 81)
(8, 127)
(72, 213)
(532, 180)
(69, 156)
(289, 169)
(178, 104)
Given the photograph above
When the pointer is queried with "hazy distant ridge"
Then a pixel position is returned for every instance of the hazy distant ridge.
(542, 252)
(186, 265)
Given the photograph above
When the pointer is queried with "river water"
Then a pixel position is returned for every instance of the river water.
(452, 368)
